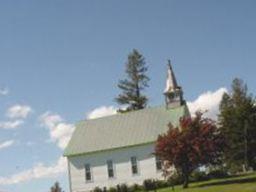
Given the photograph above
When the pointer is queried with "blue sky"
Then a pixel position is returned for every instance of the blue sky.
(61, 60)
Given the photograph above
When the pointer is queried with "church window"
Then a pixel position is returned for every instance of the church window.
(134, 164)
(88, 174)
(158, 164)
(110, 169)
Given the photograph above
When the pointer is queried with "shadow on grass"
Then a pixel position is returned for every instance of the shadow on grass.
(226, 182)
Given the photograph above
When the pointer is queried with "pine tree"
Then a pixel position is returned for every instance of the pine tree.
(237, 120)
(134, 84)
(56, 187)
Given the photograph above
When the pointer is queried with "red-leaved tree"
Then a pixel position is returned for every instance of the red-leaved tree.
(196, 142)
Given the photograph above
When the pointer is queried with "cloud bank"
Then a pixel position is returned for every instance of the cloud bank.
(209, 102)
(60, 133)
(38, 171)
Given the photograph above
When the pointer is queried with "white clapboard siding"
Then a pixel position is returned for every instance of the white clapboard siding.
(122, 166)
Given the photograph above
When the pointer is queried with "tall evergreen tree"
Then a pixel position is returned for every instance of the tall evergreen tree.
(238, 123)
(56, 187)
(134, 84)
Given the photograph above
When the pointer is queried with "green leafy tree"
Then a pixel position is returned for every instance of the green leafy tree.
(136, 81)
(237, 120)
(56, 187)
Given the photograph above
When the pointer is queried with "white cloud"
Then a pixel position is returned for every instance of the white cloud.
(60, 132)
(101, 112)
(50, 120)
(38, 171)
(4, 91)
(208, 101)
(6, 144)
(18, 111)
(10, 124)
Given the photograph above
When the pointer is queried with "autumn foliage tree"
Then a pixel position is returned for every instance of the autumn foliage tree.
(196, 142)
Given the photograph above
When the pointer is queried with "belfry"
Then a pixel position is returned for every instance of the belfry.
(173, 93)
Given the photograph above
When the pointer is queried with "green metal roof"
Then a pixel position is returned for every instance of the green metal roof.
(122, 130)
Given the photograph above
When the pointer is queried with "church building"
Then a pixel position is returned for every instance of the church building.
(119, 149)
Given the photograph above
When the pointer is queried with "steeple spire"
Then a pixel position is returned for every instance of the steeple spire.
(171, 82)
(173, 93)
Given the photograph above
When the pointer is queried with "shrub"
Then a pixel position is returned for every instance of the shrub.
(135, 188)
(112, 189)
(118, 188)
(175, 179)
(161, 184)
(218, 174)
(149, 184)
(97, 189)
(124, 187)
(199, 176)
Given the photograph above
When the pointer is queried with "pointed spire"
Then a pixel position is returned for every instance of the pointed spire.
(171, 83)
(173, 93)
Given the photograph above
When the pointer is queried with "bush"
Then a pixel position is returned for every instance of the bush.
(218, 174)
(175, 179)
(135, 188)
(112, 189)
(161, 184)
(149, 184)
(199, 176)
(118, 188)
(97, 189)
(124, 187)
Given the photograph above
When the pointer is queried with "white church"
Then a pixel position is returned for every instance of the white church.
(119, 149)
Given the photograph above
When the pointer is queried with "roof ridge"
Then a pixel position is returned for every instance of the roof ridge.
(125, 113)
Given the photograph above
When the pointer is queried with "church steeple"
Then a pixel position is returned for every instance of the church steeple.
(173, 93)
(171, 83)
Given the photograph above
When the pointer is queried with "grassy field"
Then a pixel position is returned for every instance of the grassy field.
(246, 183)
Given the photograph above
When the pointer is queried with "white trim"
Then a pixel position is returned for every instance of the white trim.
(69, 176)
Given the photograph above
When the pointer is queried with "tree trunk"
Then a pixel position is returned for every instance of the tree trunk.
(185, 175)
(185, 182)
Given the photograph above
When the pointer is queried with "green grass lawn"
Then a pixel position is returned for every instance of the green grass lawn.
(246, 183)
